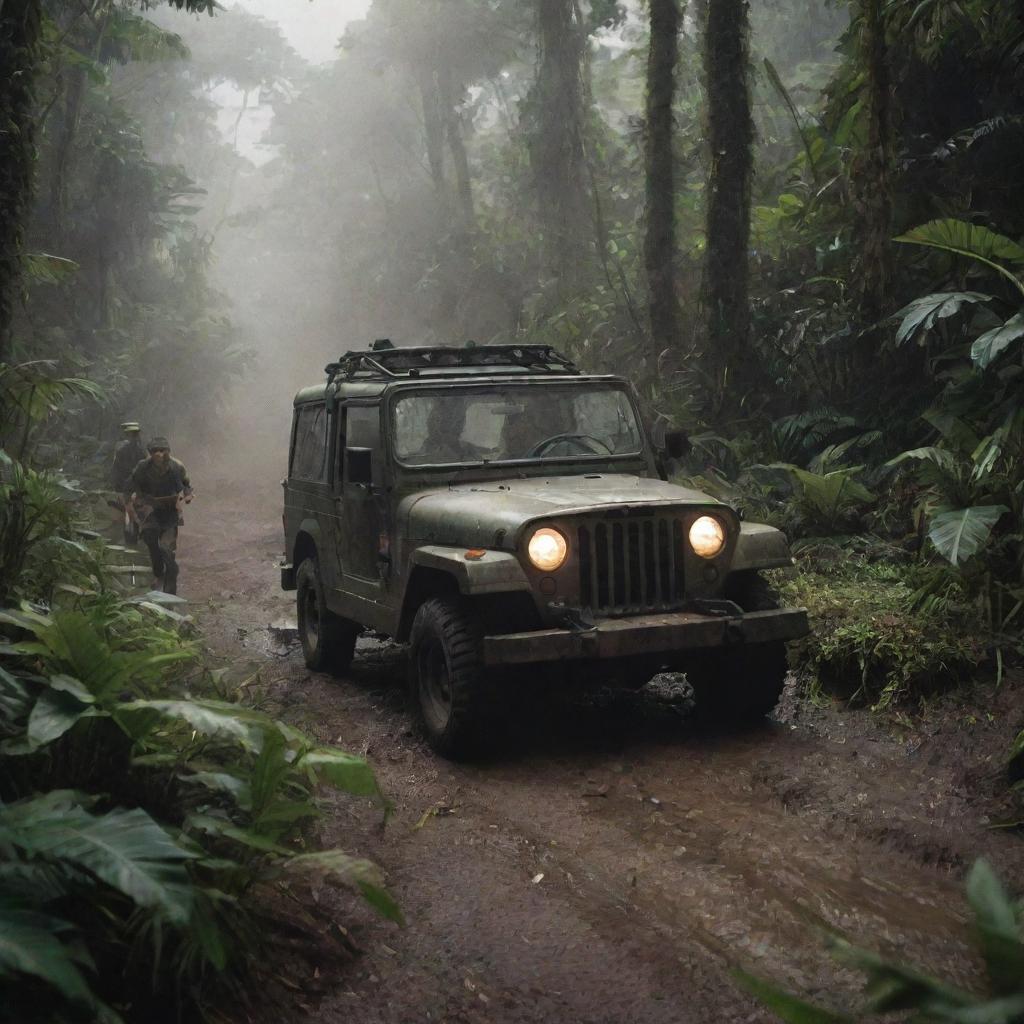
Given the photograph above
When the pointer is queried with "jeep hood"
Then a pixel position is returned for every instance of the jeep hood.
(490, 513)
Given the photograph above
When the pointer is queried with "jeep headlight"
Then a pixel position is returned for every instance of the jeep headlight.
(547, 549)
(707, 536)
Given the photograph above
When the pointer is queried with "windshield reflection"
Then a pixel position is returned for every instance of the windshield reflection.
(513, 424)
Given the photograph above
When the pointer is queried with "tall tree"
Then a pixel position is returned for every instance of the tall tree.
(20, 22)
(872, 171)
(556, 106)
(730, 141)
(660, 236)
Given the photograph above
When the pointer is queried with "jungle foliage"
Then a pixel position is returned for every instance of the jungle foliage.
(146, 812)
(798, 226)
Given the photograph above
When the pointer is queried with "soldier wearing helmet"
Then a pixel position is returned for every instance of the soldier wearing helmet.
(127, 455)
(161, 483)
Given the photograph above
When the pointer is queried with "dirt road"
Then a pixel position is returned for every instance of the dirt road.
(613, 865)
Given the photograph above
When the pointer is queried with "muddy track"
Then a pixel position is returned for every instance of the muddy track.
(609, 863)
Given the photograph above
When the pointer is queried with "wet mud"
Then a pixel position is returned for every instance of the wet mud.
(610, 862)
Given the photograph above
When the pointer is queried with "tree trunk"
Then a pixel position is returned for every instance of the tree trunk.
(457, 148)
(730, 141)
(872, 173)
(660, 236)
(555, 107)
(19, 37)
(433, 128)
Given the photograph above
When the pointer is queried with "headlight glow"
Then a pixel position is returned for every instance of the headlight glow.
(707, 536)
(547, 549)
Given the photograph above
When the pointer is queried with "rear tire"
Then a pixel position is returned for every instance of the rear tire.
(446, 678)
(328, 640)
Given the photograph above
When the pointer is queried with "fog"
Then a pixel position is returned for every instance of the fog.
(366, 172)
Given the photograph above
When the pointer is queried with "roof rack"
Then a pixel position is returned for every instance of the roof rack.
(384, 360)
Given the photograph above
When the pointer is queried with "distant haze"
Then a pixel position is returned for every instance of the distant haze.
(313, 27)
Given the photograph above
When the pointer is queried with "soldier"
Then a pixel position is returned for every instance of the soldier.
(161, 484)
(127, 455)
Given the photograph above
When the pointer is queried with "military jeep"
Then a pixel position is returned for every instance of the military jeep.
(508, 516)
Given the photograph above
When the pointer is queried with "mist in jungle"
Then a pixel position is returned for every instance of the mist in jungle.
(383, 183)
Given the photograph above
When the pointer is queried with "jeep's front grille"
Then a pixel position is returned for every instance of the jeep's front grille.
(631, 565)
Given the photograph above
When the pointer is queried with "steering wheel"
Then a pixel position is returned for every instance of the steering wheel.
(586, 443)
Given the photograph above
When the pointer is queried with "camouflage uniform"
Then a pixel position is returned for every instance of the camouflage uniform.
(160, 530)
(127, 456)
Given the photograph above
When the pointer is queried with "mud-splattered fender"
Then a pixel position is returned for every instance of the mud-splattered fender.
(761, 547)
(493, 572)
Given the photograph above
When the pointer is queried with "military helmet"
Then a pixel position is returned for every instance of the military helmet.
(158, 442)
(130, 427)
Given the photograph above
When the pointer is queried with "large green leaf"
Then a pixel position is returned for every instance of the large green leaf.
(831, 492)
(54, 713)
(209, 717)
(223, 782)
(343, 771)
(964, 239)
(72, 643)
(1009, 1010)
(362, 875)
(15, 700)
(29, 944)
(922, 314)
(960, 533)
(989, 345)
(785, 1006)
(998, 929)
(944, 460)
(127, 850)
(226, 829)
(892, 987)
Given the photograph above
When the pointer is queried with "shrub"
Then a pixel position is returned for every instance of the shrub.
(872, 637)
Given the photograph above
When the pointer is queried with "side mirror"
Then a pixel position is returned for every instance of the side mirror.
(359, 465)
(677, 444)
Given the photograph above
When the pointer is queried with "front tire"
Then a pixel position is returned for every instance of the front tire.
(328, 640)
(738, 685)
(446, 678)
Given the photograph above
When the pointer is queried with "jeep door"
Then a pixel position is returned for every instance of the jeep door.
(308, 503)
(361, 495)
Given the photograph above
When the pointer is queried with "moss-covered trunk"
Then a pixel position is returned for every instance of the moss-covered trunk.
(19, 37)
(872, 172)
(730, 143)
(660, 236)
(555, 108)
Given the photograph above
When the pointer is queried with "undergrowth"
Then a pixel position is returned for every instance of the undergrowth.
(882, 632)
(146, 820)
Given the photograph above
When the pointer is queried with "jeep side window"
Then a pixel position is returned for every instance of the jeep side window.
(309, 457)
(362, 436)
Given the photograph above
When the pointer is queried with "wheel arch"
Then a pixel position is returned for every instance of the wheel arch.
(424, 583)
(306, 542)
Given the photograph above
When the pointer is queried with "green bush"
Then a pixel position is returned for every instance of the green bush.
(875, 635)
(141, 822)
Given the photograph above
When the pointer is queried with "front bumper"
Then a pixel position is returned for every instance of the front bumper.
(287, 575)
(666, 633)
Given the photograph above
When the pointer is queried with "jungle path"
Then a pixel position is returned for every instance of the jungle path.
(611, 864)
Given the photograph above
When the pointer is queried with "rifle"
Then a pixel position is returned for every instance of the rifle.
(143, 507)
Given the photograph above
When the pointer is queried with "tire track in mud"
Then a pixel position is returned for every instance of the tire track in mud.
(667, 857)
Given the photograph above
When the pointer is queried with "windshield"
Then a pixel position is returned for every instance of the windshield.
(518, 422)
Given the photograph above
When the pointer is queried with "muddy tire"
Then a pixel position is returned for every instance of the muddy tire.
(328, 640)
(446, 678)
(740, 685)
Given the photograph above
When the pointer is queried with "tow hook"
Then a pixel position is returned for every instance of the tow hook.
(733, 632)
(575, 619)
